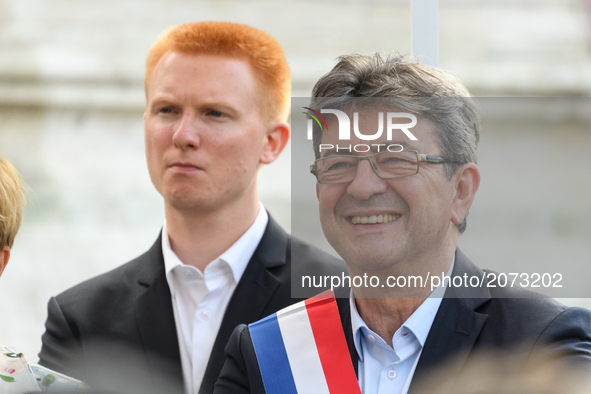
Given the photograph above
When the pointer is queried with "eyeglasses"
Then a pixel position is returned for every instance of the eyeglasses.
(387, 165)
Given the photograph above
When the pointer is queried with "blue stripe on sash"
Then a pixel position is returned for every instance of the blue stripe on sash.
(272, 357)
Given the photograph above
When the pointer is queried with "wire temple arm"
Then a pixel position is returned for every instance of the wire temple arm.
(432, 159)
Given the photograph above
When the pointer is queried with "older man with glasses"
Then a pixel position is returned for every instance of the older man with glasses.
(393, 207)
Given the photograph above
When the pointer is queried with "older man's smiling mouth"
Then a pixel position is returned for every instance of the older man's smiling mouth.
(373, 219)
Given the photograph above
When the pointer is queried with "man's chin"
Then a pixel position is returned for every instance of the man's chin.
(185, 201)
(368, 261)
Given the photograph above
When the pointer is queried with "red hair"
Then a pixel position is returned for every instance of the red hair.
(260, 49)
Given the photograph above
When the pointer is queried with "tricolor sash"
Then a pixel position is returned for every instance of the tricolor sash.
(302, 349)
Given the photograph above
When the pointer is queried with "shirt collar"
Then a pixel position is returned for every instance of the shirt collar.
(236, 256)
(419, 323)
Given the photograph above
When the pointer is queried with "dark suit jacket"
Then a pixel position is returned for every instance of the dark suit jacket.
(117, 331)
(469, 320)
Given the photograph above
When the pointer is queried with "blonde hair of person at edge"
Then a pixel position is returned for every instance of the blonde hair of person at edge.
(17, 376)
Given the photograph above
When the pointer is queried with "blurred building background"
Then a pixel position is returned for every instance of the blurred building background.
(71, 105)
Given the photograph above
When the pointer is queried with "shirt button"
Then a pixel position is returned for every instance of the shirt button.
(391, 374)
(371, 338)
(205, 315)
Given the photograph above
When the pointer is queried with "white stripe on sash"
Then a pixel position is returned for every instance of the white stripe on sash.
(301, 349)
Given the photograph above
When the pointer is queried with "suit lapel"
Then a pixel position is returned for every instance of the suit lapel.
(345, 314)
(252, 295)
(155, 317)
(455, 327)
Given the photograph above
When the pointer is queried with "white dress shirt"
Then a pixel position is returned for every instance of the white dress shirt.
(200, 299)
(389, 370)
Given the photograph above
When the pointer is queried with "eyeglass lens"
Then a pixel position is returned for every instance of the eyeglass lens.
(337, 169)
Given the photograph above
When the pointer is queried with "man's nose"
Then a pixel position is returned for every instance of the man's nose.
(366, 182)
(186, 134)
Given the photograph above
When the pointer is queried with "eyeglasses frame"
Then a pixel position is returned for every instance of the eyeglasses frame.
(421, 157)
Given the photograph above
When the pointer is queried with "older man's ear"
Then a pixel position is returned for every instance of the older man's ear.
(467, 180)
(4, 256)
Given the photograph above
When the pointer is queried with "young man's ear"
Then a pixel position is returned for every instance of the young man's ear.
(4, 256)
(275, 141)
(467, 180)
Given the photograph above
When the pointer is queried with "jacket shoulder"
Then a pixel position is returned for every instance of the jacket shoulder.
(115, 284)
(313, 270)
(306, 257)
(534, 314)
(241, 373)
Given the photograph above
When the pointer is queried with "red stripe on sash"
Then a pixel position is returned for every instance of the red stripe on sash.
(332, 345)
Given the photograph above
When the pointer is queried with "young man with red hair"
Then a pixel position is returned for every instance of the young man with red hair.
(217, 104)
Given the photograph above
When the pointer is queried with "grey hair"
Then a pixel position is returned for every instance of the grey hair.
(410, 86)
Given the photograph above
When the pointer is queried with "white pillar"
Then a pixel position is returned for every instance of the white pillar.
(425, 31)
